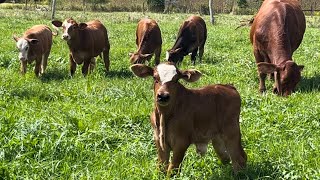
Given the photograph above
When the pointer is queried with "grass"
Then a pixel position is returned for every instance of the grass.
(57, 127)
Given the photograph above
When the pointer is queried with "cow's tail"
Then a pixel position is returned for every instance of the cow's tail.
(162, 132)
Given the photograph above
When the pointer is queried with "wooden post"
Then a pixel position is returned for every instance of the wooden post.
(312, 10)
(53, 9)
(211, 11)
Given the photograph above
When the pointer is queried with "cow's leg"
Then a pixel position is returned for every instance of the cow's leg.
(106, 57)
(179, 151)
(221, 149)
(157, 54)
(23, 67)
(73, 65)
(92, 64)
(37, 68)
(163, 156)
(194, 56)
(201, 50)
(44, 62)
(85, 67)
(232, 141)
(262, 76)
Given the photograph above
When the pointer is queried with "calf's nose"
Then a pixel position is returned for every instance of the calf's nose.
(65, 36)
(163, 97)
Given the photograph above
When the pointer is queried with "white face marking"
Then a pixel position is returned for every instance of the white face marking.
(65, 32)
(167, 55)
(23, 47)
(166, 72)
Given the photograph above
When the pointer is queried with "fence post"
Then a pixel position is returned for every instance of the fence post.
(53, 9)
(312, 9)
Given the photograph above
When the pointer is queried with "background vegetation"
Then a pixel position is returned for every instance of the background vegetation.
(57, 127)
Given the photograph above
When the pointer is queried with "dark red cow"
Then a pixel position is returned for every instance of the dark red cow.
(185, 116)
(191, 37)
(86, 41)
(276, 32)
(148, 41)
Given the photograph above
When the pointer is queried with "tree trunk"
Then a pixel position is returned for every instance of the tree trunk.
(211, 11)
(53, 9)
(234, 7)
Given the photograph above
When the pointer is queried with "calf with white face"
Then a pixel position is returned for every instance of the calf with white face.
(183, 116)
(35, 44)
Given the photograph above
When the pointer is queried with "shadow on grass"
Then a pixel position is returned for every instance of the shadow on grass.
(122, 73)
(54, 74)
(309, 84)
(262, 170)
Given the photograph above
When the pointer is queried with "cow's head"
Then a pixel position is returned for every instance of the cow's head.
(70, 28)
(138, 58)
(165, 76)
(175, 55)
(286, 75)
(24, 45)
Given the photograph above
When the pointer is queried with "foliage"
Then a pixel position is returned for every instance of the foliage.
(58, 127)
(242, 3)
(156, 5)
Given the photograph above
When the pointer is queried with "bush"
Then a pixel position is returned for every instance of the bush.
(156, 5)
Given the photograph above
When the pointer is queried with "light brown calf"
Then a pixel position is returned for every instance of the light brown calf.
(193, 116)
(86, 41)
(148, 40)
(35, 44)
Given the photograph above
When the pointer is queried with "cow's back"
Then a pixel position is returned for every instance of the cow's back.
(98, 37)
(43, 34)
(278, 23)
(148, 32)
(201, 28)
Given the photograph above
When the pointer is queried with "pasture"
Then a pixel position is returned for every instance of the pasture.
(58, 127)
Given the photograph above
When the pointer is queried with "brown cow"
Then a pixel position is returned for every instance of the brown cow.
(35, 44)
(276, 32)
(148, 41)
(191, 37)
(193, 116)
(86, 41)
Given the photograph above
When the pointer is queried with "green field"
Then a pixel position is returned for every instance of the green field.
(58, 127)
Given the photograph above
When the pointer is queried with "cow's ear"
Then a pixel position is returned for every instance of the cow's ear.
(266, 68)
(15, 38)
(141, 70)
(300, 67)
(33, 41)
(191, 75)
(82, 26)
(56, 23)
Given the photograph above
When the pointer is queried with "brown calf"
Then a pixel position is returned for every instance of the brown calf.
(86, 41)
(276, 32)
(148, 41)
(193, 116)
(191, 37)
(35, 44)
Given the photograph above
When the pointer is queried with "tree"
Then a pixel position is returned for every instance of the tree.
(156, 5)
(211, 11)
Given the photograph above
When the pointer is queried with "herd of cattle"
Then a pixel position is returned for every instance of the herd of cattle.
(276, 32)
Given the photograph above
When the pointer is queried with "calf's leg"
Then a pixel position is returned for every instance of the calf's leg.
(194, 55)
(85, 67)
(221, 149)
(37, 68)
(44, 62)
(201, 50)
(262, 76)
(157, 53)
(179, 151)
(23, 67)
(106, 58)
(73, 65)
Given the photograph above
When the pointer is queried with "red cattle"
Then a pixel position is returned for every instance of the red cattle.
(191, 37)
(86, 41)
(276, 32)
(193, 116)
(35, 44)
(148, 41)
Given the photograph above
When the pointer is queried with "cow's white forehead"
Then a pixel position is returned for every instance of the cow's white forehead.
(66, 24)
(166, 72)
(22, 44)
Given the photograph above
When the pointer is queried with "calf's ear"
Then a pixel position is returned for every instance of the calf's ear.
(15, 38)
(191, 75)
(82, 26)
(266, 68)
(141, 70)
(56, 23)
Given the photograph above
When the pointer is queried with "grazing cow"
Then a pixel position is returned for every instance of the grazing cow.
(193, 116)
(148, 40)
(86, 41)
(276, 32)
(191, 37)
(35, 44)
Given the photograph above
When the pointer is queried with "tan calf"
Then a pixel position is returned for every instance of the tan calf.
(183, 116)
(35, 45)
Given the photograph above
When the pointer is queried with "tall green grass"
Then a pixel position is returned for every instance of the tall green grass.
(58, 127)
